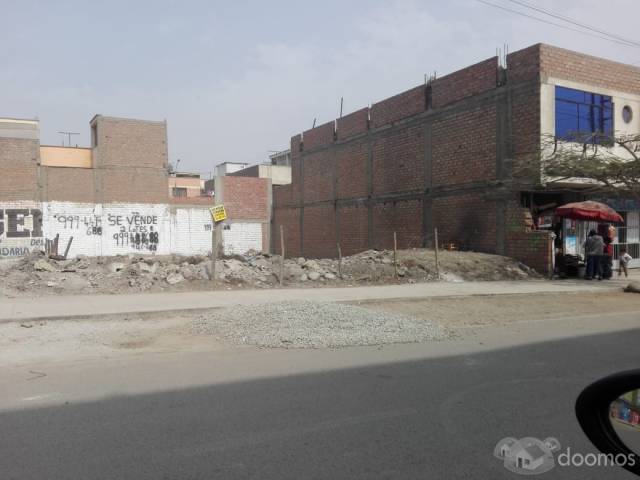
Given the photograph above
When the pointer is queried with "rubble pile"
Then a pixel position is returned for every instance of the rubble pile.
(39, 274)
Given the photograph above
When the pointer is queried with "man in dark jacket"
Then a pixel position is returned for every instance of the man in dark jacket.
(594, 249)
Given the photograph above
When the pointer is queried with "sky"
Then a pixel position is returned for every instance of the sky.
(236, 79)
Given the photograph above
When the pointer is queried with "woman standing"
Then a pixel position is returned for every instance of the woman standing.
(594, 249)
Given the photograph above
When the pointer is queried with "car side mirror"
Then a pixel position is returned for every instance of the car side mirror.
(609, 413)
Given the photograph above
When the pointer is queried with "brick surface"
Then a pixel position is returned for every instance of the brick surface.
(318, 178)
(399, 106)
(19, 169)
(353, 221)
(465, 83)
(351, 169)
(467, 220)
(320, 136)
(69, 184)
(246, 198)
(464, 147)
(319, 238)
(353, 124)
(578, 67)
(289, 218)
(131, 160)
(402, 217)
(398, 160)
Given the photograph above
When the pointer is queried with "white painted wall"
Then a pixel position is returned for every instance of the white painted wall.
(19, 232)
(239, 238)
(117, 229)
(191, 231)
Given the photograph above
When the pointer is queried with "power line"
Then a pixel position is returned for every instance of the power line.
(553, 23)
(574, 22)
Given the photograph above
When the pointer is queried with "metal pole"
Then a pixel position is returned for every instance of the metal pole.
(435, 234)
(214, 251)
(339, 261)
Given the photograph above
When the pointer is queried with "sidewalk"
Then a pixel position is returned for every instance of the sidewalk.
(67, 307)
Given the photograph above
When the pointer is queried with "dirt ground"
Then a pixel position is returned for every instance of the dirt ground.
(488, 310)
(38, 275)
(108, 337)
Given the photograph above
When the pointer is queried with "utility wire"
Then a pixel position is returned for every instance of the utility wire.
(574, 22)
(626, 44)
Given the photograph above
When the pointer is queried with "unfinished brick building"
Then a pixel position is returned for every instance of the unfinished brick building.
(113, 198)
(443, 155)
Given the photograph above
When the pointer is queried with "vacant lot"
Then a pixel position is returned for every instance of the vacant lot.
(308, 326)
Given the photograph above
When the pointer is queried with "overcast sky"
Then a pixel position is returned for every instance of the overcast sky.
(237, 79)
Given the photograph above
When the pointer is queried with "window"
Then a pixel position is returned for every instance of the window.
(583, 116)
(627, 114)
(179, 191)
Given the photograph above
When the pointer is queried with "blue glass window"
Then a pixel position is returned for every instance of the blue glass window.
(583, 116)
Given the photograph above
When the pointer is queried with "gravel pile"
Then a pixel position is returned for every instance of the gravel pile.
(305, 324)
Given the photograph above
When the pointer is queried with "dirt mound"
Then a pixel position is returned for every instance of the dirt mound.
(36, 274)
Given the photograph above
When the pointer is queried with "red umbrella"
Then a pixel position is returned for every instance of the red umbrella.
(593, 211)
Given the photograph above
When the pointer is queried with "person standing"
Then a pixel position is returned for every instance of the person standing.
(594, 249)
(624, 260)
(607, 259)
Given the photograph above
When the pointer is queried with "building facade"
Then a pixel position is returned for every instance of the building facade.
(111, 198)
(447, 155)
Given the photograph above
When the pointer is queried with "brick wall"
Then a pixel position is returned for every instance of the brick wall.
(466, 220)
(524, 65)
(435, 156)
(319, 136)
(465, 83)
(464, 145)
(289, 218)
(128, 142)
(402, 217)
(320, 231)
(352, 220)
(245, 198)
(374, 177)
(318, 179)
(142, 185)
(355, 123)
(533, 248)
(247, 201)
(399, 106)
(131, 160)
(68, 184)
(560, 63)
(19, 169)
(351, 170)
(398, 160)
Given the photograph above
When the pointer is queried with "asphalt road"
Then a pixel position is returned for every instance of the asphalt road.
(434, 418)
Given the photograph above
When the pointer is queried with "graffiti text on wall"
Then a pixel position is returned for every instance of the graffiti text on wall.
(135, 230)
(91, 224)
(20, 231)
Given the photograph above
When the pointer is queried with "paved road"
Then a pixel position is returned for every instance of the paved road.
(61, 306)
(431, 417)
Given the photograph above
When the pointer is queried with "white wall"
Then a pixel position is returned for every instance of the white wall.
(117, 229)
(19, 228)
(239, 238)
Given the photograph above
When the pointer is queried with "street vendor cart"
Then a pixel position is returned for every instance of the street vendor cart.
(577, 219)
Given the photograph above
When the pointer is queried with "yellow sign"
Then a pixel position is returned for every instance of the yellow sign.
(218, 213)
